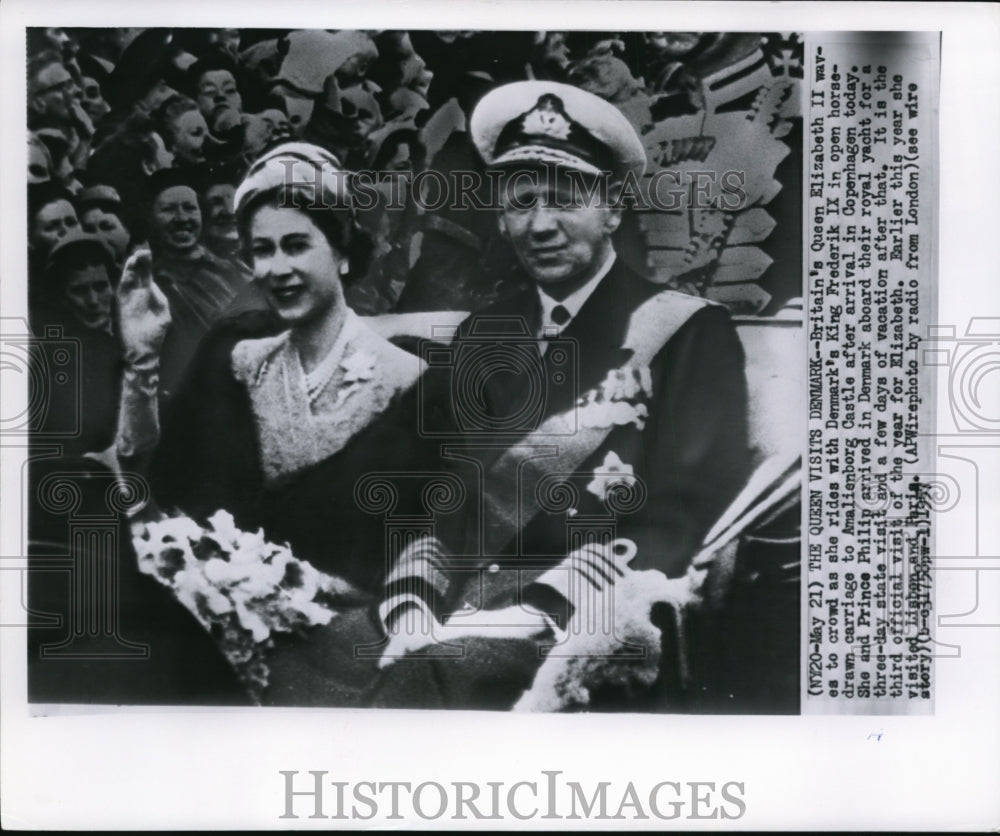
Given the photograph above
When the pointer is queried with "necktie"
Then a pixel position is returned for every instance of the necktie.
(560, 316)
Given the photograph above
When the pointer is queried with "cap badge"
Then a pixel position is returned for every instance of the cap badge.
(548, 118)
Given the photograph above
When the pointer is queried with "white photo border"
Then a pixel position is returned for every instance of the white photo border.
(220, 768)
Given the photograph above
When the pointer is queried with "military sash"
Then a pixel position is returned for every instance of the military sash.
(564, 440)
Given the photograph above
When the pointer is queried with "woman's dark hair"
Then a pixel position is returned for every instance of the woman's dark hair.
(338, 225)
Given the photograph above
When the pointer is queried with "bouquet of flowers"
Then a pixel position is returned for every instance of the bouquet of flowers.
(241, 588)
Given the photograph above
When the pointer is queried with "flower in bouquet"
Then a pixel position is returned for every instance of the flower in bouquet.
(240, 587)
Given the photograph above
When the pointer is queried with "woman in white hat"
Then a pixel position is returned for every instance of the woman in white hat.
(284, 409)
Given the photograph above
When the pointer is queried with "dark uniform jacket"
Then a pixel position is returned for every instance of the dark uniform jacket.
(691, 456)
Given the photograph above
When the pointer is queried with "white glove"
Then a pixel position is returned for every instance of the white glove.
(590, 572)
(413, 627)
(144, 316)
(144, 312)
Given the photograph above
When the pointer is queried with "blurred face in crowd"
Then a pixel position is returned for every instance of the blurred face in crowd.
(190, 134)
(108, 227)
(157, 156)
(419, 77)
(60, 40)
(281, 128)
(122, 36)
(38, 163)
(175, 222)
(52, 222)
(228, 39)
(295, 265)
(220, 223)
(155, 96)
(53, 92)
(604, 76)
(88, 293)
(449, 36)
(362, 114)
(217, 91)
(354, 69)
(560, 236)
(556, 50)
(257, 133)
(93, 101)
(672, 44)
(64, 173)
(299, 111)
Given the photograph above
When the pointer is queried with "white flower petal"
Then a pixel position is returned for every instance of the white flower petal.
(252, 622)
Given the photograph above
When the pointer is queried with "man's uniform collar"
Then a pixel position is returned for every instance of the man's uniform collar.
(572, 303)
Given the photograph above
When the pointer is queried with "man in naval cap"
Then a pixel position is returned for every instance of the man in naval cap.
(593, 404)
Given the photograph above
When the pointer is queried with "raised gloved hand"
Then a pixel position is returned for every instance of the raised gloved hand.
(143, 311)
(144, 316)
